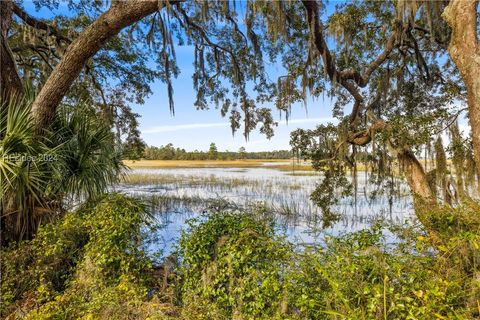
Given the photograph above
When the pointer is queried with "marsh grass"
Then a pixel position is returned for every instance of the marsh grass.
(133, 178)
(285, 196)
(234, 264)
(304, 174)
(271, 164)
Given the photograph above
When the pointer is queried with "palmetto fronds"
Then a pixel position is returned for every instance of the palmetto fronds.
(24, 173)
(91, 161)
(75, 159)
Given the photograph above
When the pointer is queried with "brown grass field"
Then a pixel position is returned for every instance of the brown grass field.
(170, 164)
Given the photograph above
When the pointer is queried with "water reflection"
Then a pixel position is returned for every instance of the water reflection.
(181, 194)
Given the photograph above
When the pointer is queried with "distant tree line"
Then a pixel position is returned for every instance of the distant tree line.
(169, 152)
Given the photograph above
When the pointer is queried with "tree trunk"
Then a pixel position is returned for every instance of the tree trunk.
(461, 15)
(424, 201)
(415, 175)
(413, 170)
(473, 89)
(89, 42)
(10, 83)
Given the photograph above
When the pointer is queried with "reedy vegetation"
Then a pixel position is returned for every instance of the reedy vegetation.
(231, 265)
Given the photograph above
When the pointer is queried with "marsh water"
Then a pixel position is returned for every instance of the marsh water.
(180, 194)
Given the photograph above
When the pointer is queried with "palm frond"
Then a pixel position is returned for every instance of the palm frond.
(76, 159)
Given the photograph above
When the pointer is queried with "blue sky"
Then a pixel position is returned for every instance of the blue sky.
(196, 129)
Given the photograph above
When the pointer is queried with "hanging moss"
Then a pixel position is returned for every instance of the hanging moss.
(458, 156)
(432, 180)
(441, 164)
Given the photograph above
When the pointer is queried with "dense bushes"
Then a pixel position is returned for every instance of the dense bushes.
(87, 265)
(234, 266)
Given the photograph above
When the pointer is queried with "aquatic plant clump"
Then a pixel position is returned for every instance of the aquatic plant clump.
(286, 194)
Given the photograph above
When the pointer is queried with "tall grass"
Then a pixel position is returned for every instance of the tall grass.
(284, 165)
(283, 194)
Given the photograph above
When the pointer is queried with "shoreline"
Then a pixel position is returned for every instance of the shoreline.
(279, 164)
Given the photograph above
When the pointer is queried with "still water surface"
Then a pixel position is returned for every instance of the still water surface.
(186, 193)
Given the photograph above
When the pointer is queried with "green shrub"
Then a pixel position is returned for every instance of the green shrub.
(37, 270)
(87, 265)
(358, 277)
(234, 267)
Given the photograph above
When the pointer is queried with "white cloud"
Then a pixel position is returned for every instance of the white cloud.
(191, 126)
(257, 142)
(308, 120)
